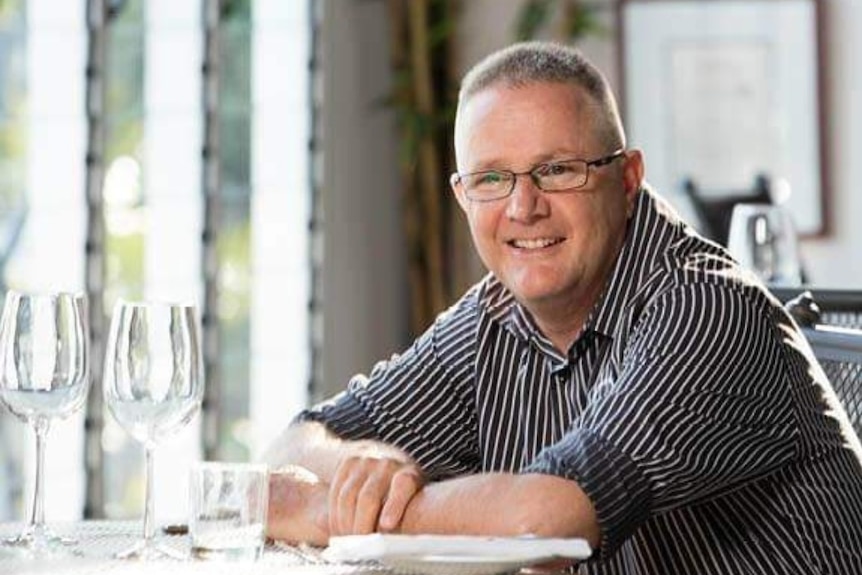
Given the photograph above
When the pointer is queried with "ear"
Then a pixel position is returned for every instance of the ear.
(633, 174)
(458, 190)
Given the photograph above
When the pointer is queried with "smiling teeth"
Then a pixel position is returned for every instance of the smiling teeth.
(533, 244)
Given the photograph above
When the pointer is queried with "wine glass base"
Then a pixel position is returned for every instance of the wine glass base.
(40, 540)
(149, 551)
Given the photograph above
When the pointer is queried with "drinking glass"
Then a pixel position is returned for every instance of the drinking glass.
(762, 237)
(44, 375)
(228, 505)
(153, 386)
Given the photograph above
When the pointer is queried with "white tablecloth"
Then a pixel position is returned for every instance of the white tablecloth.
(98, 541)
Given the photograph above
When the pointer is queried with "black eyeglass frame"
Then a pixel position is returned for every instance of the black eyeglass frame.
(598, 162)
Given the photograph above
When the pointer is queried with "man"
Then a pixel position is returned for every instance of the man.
(615, 377)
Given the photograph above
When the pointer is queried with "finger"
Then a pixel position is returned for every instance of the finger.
(369, 501)
(405, 484)
(348, 480)
(341, 495)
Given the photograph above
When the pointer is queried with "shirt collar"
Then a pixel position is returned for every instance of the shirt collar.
(505, 310)
(636, 259)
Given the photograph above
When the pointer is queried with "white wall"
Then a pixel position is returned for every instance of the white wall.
(836, 260)
(365, 304)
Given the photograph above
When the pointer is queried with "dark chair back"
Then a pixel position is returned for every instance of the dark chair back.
(836, 341)
(835, 307)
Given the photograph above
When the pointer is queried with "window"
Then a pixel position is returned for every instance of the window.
(154, 209)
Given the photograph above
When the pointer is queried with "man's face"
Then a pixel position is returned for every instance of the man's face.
(553, 251)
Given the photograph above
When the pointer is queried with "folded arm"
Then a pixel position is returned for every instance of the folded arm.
(322, 486)
(504, 504)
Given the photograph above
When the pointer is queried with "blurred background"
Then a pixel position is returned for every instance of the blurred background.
(284, 165)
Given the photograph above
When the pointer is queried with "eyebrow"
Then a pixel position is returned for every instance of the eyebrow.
(550, 159)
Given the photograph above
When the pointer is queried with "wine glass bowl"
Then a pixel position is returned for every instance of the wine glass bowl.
(153, 385)
(762, 237)
(44, 375)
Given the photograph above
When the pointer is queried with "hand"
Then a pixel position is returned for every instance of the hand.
(370, 494)
(297, 510)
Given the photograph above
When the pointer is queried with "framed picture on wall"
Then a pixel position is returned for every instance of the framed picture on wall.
(725, 94)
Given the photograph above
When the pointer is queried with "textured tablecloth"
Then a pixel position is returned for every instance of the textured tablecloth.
(98, 541)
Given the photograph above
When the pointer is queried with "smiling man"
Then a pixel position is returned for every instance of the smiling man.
(553, 251)
(614, 377)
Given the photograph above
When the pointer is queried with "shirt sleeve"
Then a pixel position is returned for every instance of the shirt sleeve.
(701, 403)
(419, 401)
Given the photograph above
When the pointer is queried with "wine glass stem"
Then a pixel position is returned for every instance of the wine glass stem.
(150, 505)
(37, 510)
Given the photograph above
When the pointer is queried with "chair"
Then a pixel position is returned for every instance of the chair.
(841, 308)
(837, 346)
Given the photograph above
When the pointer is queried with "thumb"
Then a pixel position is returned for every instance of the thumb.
(405, 484)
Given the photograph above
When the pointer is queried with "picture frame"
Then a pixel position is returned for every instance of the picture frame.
(727, 94)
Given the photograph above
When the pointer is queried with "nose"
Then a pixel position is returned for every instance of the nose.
(526, 202)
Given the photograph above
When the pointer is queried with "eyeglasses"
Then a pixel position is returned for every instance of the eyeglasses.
(489, 185)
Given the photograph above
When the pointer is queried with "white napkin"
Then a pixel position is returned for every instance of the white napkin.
(379, 546)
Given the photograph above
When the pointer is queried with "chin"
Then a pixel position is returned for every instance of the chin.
(529, 293)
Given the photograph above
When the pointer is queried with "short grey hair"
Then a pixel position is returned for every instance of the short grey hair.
(527, 63)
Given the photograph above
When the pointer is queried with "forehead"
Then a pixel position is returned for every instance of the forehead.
(527, 123)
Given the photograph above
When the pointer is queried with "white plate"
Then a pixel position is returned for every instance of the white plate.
(454, 554)
(456, 565)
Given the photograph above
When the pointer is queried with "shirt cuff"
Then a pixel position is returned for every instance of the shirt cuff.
(343, 416)
(618, 490)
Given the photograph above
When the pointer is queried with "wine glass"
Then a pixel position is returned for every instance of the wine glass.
(44, 375)
(762, 237)
(153, 386)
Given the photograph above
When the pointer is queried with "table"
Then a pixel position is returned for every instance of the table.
(99, 540)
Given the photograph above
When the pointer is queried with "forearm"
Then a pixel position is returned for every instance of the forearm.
(307, 506)
(312, 446)
(503, 504)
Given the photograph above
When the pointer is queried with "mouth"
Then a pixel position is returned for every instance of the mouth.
(533, 243)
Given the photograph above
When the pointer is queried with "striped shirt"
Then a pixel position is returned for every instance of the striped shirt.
(689, 410)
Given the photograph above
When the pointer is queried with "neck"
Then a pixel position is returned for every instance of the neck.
(561, 329)
(562, 318)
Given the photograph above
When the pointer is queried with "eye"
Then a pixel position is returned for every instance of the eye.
(489, 178)
(557, 169)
